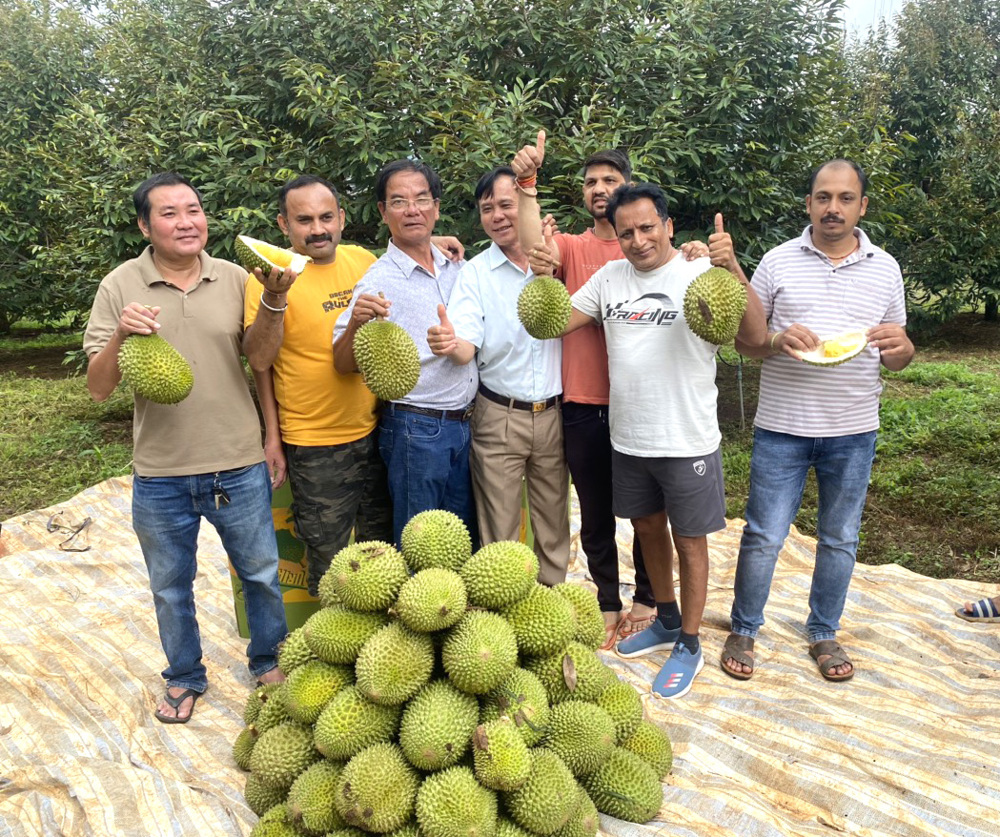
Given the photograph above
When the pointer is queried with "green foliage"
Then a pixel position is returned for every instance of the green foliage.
(723, 102)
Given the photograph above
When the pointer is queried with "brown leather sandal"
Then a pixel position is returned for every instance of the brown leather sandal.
(740, 648)
(838, 657)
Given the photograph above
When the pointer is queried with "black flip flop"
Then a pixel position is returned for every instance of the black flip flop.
(176, 702)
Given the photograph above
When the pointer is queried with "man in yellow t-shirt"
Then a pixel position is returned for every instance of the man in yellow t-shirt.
(320, 425)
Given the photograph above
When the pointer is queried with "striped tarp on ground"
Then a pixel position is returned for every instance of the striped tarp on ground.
(908, 747)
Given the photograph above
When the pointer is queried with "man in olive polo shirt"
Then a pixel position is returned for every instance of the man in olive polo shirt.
(201, 457)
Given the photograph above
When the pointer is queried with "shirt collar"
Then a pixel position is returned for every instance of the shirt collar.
(497, 259)
(865, 247)
(151, 275)
(407, 265)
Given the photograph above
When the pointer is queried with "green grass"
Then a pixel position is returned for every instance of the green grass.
(934, 498)
(933, 503)
(55, 441)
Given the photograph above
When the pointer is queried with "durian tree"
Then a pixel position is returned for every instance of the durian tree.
(721, 102)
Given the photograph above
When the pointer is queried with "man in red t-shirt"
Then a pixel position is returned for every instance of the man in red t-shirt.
(574, 259)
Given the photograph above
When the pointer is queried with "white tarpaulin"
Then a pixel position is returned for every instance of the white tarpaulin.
(908, 747)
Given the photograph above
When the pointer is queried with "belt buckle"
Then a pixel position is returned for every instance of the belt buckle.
(538, 406)
(468, 410)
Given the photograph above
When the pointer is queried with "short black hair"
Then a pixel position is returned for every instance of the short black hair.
(610, 157)
(396, 166)
(484, 188)
(140, 197)
(632, 192)
(840, 161)
(298, 183)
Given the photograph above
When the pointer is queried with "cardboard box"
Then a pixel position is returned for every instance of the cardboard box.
(292, 570)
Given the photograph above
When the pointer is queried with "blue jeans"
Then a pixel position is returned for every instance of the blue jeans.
(166, 516)
(778, 469)
(428, 463)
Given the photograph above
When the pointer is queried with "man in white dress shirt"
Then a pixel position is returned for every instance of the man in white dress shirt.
(516, 424)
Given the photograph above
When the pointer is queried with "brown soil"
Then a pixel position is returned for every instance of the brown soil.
(38, 363)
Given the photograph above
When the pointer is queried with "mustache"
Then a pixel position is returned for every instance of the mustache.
(315, 239)
(831, 217)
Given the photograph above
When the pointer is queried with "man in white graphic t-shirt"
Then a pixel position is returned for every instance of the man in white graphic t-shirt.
(664, 429)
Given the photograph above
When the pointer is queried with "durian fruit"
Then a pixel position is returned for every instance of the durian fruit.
(581, 734)
(500, 574)
(273, 711)
(479, 652)
(544, 308)
(651, 744)
(508, 828)
(256, 700)
(837, 350)
(622, 702)
(437, 726)
(544, 803)
(350, 722)
(521, 697)
(154, 369)
(243, 747)
(543, 621)
(501, 758)
(436, 538)
(587, 617)
(584, 821)
(394, 664)
(714, 304)
(327, 593)
(260, 796)
(432, 600)
(624, 786)
(253, 253)
(336, 634)
(574, 672)
(451, 803)
(310, 798)
(294, 651)
(367, 575)
(310, 687)
(282, 753)
(387, 358)
(274, 822)
(377, 789)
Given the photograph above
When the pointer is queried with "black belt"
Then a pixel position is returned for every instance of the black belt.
(453, 415)
(513, 403)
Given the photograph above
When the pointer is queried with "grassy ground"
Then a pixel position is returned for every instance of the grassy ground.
(934, 499)
(933, 505)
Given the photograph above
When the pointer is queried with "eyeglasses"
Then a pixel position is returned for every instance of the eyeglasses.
(402, 204)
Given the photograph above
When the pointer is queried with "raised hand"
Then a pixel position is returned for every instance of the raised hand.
(277, 282)
(542, 258)
(528, 160)
(368, 306)
(720, 246)
(441, 337)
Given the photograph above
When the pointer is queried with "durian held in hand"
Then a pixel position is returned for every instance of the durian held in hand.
(253, 254)
(544, 308)
(154, 369)
(716, 300)
(387, 358)
(464, 699)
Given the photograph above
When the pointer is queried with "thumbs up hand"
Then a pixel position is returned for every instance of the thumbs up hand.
(441, 338)
(720, 247)
(543, 258)
(528, 160)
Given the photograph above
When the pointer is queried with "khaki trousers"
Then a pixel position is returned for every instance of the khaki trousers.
(509, 445)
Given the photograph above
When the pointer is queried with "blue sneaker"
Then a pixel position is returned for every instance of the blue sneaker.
(653, 638)
(677, 675)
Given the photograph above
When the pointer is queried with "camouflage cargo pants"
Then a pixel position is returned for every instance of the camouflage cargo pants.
(337, 488)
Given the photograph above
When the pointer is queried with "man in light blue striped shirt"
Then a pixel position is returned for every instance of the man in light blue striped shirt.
(516, 425)
(424, 437)
(829, 281)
